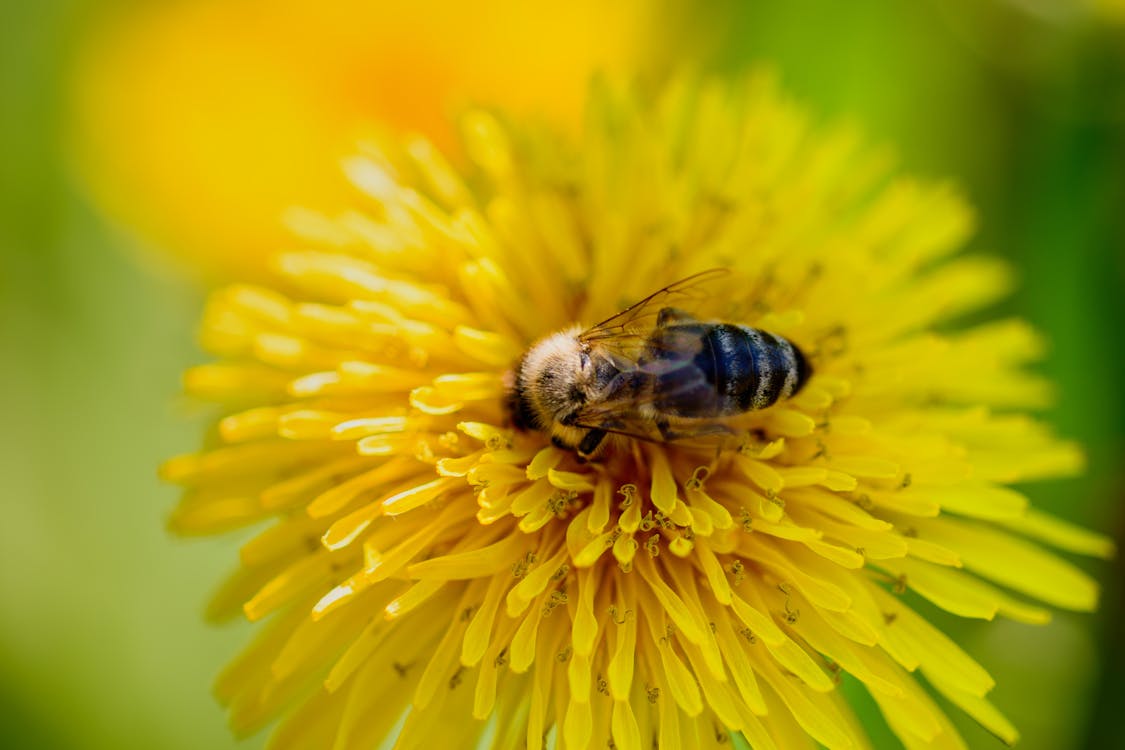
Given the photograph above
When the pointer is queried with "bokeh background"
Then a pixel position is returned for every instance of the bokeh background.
(148, 149)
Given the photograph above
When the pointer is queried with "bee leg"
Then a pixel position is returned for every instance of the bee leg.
(670, 434)
(671, 315)
(590, 444)
(666, 431)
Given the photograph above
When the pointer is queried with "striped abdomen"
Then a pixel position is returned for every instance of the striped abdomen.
(720, 369)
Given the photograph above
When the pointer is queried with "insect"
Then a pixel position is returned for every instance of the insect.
(653, 372)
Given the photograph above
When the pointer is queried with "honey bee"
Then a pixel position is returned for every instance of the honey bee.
(653, 372)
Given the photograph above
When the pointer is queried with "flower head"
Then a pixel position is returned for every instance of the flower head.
(426, 563)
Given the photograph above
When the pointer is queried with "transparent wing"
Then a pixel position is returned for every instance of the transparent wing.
(635, 407)
(628, 330)
(696, 433)
(654, 342)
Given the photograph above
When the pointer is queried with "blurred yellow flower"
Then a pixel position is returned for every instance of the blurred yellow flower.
(425, 563)
(197, 124)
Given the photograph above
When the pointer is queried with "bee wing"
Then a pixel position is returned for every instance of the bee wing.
(630, 408)
(636, 426)
(627, 330)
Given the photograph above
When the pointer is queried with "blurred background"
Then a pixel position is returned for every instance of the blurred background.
(149, 149)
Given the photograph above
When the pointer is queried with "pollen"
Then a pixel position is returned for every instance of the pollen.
(426, 568)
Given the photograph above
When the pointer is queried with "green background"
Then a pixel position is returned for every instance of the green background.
(101, 639)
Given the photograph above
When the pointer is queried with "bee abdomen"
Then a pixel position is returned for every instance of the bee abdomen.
(754, 369)
(721, 369)
(780, 368)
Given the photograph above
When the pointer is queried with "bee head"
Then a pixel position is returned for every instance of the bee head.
(553, 379)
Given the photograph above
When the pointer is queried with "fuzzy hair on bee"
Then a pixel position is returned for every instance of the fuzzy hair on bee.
(653, 372)
(554, 379)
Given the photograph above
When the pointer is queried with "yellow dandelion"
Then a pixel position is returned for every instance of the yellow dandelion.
(429, 572)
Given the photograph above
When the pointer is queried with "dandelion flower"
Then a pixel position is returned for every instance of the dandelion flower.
(427, 571)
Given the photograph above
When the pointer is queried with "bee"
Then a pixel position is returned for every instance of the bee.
(654, 372)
